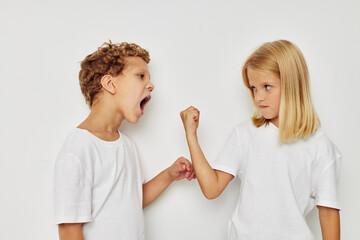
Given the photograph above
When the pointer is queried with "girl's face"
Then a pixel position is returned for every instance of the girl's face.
(266, 90)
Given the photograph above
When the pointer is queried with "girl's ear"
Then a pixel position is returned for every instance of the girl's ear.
(107, 83)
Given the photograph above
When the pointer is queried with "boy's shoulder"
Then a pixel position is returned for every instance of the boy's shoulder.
(79, 138)
(76, 140)
(83, 145)
(127, 140)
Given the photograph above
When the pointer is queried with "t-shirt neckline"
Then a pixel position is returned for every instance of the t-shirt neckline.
(99, 140)
(273, 127)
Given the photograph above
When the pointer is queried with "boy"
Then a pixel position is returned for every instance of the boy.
(99, 192)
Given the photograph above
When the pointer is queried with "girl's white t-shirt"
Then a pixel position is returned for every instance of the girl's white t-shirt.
(280, 183)
(99, 183)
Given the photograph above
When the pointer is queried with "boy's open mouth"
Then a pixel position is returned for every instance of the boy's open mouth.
(144, 102)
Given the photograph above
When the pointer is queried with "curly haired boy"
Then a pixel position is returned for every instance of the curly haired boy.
(99, 190)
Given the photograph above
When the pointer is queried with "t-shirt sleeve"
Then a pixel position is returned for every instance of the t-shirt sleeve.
(137, 158)
(232, 156)
(326, 185)
(72, 191)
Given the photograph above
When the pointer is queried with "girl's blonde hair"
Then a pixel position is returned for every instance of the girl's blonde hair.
(297, 116)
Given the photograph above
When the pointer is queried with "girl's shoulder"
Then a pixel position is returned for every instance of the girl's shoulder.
(244, 126)
(319, 138)
(323, 144)
(248, 127)
(242, 132)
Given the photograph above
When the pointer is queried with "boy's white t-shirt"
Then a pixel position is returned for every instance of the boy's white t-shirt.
(280, 183)
(99, 183)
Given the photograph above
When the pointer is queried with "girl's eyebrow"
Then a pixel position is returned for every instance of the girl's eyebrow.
(268, 82)
(263, 83)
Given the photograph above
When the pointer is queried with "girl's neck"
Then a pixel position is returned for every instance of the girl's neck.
(275, 121)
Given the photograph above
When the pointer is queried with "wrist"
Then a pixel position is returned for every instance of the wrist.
(168, 175)
(191, 135)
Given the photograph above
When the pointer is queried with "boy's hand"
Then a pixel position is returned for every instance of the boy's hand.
(190, 118)
(181, 169)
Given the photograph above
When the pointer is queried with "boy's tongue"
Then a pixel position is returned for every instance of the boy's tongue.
(143, 104)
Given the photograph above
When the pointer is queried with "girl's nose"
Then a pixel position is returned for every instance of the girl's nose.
(258, 96)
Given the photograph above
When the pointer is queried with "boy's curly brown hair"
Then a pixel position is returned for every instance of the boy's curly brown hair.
(108, 59)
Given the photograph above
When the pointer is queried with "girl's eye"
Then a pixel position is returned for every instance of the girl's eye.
(267, 87)
(253, 88)
(141, 76)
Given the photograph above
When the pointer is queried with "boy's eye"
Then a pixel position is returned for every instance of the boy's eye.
(141, 76)
(267, 87)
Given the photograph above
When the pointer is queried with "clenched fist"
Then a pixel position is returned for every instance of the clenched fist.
(190, 118)
(181, 168)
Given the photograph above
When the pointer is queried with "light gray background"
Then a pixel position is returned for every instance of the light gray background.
(197, 50)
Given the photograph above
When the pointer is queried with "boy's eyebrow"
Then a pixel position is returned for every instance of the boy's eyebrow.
(141, 69)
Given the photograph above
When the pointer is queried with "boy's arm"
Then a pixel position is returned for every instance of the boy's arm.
(212, 182)
(180, 169)
(330, 223)
(70, 231)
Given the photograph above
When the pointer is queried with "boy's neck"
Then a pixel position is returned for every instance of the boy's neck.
(103, 122)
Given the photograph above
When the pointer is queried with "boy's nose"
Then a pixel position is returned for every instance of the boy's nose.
(150, 86)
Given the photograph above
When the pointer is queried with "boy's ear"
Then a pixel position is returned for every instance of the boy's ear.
(107, 83)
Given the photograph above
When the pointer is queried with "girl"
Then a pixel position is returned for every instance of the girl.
(286, 163)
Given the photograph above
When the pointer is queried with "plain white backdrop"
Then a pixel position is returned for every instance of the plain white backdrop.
(197, 49)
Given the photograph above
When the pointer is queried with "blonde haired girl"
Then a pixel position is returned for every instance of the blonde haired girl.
(287, 165)
(297, 114)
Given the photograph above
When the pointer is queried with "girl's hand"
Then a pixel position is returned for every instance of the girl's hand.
(190, 118)
(181, 169)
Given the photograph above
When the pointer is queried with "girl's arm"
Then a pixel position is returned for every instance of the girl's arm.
(180, 169)
(212, 182)
(70, 231)
(330, 223)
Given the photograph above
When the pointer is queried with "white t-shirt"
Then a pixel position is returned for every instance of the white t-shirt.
(99, 183)
(280, 183)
